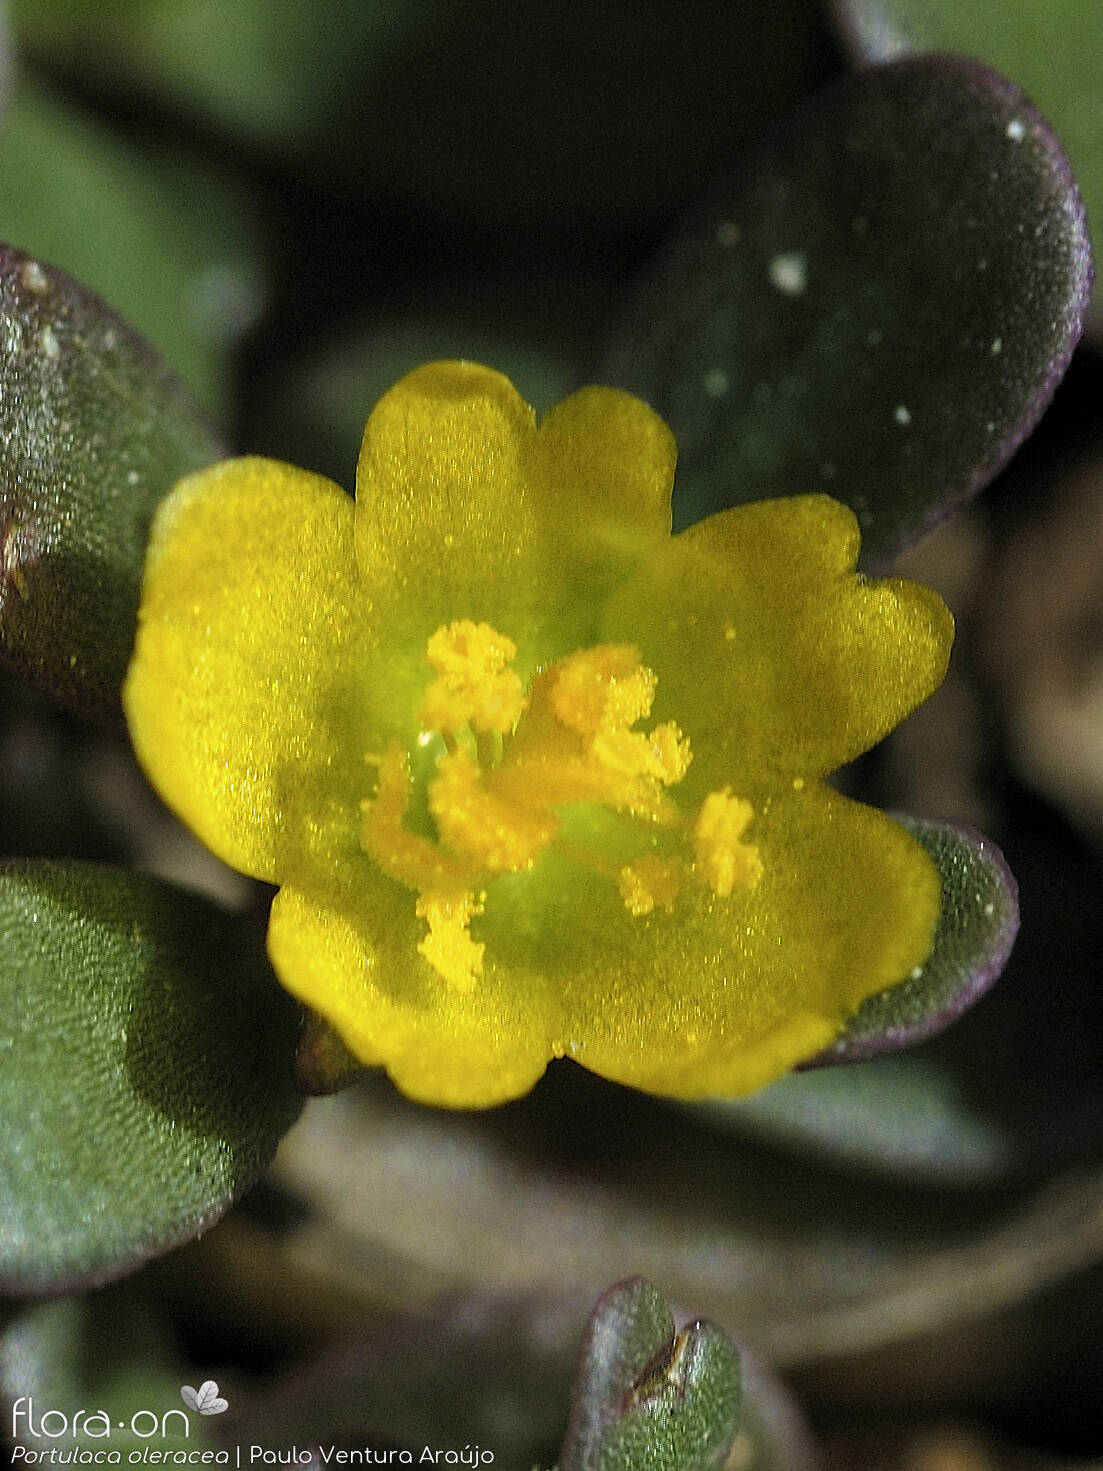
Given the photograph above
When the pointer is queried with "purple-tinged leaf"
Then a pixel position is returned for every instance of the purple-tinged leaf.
(908, 1115)
(487, 1369)
(647, 1398)
(1053, 51)
(880, 305)
(977, 925)
(94, 430)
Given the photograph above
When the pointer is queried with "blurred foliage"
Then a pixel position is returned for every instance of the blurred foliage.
(108, 1353)
(165, 238)
(502, 115)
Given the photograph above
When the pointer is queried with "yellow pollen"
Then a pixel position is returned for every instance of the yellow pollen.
(725, 862)
(474, 685)
(510, 762)
(602, 689)
(576, 743)
(491, 834)
(448, 947)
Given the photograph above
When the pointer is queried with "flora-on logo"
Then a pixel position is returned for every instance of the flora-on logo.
(205, 1399)
(94, 1424)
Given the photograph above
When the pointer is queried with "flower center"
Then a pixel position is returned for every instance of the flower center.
(509, 762)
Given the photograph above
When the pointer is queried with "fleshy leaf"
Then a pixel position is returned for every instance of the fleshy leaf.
(94, 432)
(147, 1071)
(880, 306)
(1053, 51)
(481, 1370)
(978, 921)
(648, 1399)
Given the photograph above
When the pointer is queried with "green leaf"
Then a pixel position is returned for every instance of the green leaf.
(146, 1074)
(648, 1399)
(880, 305)
(1053, 51)
(94, 432)
(977, 925)
(167, 241)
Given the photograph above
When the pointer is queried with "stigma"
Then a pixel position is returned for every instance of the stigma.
(510, 761)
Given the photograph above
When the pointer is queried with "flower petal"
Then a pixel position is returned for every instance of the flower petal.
(722, 996)
(716, 997)
(444, 529)
(349, 951)
(771, 653)
(237, 696)
(602, 464)
(466, 510)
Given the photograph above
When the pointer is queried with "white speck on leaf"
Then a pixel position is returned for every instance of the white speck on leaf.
(902, 416)
(715, 382)
(789, 273)
(34, 279)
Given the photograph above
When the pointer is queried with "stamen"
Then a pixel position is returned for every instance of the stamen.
(475, 685)
(403, 855)
(602, 688)
(725, 862)
(510, 762)
(492, 835)
(448, 947)
(575, 743)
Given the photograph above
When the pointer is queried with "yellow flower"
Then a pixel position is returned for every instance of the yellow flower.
(537, 778)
